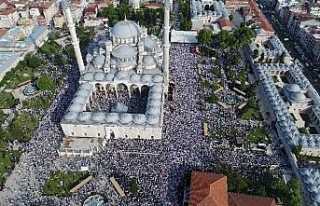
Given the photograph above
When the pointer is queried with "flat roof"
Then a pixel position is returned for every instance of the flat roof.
(80, 144)
(184, 37)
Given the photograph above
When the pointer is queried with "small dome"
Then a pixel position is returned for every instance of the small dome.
(86, 86)
(298, 97)
(134, 2)
(153, 110)
(157, 78)
(125, 118)
(304, 171)
(109, 76)
(146, 78)
(122, 75)
(149, 44)
(75, 107)
(149, 60)
(135, 77)
(83, 93)
(292, 88)
(99, 76)
(155, 96)
(83, 116)
(139, 118)
(79, 100)
(88, 76)
(98, 61)
(70, 116)
(316, 197)
(112, 117)
(124, 52)
(156, 89)
(98, 116)
(154, 103)
(126, 29)
(311, 142)
(153, 119)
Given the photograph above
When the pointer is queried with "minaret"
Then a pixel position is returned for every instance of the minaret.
(74, 38)
(166, 44)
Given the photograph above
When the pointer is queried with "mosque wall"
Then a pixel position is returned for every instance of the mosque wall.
(127, 132)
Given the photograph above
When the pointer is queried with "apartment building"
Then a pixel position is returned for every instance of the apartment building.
(8, 15)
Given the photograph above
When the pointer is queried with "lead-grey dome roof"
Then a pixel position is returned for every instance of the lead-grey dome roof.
(112, 117)
(98, 61)
(149, 44)
(139, 118)
(124, 52)
(79, 100)
(83, 116)
(292, 88)
(125, 118)
(88, 76)
(70, 115)
(315, 197)
(98, 116)
(149, 60)
(157, 78)
(75, 107)
(99, 76)
(146, 78)
(298, 97)
(156, 89)
(122, 74)
(135, 77)
(86, 86)
(109, 76)
(126, 29)
(152, 119)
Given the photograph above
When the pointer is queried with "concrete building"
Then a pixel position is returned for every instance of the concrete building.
(270, 49)
(8, 15)
(206, 13)
(236, 4)
(16, 43)
(58, 20)
(127, 63)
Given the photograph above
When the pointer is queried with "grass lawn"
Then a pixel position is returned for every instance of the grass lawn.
(60, 182)
(7, 160)
(37, 102)
(251, 114)
(3, 117)
(6, 100)
(258, 135)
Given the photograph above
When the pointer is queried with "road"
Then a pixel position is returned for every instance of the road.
(311, 75)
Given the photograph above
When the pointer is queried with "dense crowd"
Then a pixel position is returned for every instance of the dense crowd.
(135, 101)
(160, 173)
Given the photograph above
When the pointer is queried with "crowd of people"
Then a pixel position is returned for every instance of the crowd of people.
(135, 102)
(160, 166)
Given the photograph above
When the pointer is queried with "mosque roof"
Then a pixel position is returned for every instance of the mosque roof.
(124, 52)
(148, 60)
(126, 29)
(298, 96)
(292, 88)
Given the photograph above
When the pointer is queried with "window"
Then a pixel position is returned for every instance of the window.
(72, 133)
(85, 134)
(98, 134)
(126, 136)
(152, 137)
(138, 136)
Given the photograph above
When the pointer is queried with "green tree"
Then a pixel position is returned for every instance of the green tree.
(45, 82)
(296, 150)
(204, 37)
(292, 196)
(33, 61)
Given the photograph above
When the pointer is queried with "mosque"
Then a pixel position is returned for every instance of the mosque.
(122, 88)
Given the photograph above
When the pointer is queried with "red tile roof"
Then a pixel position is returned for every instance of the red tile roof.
(261, 17)
(208, 189)
(246, 200)
(225, 22)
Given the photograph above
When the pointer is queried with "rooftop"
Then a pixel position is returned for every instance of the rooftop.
(208, 189)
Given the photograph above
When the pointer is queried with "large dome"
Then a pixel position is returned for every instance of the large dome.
(126, 29)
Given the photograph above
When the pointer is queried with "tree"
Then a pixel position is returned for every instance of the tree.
(292, 196)
(255, 53)
(296, 150)
(230, 17)
(204, 37)
(45, 82)
(33, 61)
